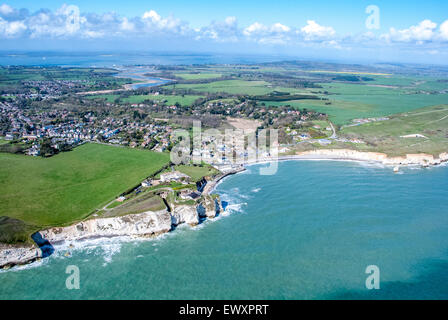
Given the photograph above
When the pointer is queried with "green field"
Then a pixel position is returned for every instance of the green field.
(351, 101)
(143, 203)
(230, 86)
(198, 76)
(185, 100)
(70, 186)
(385, 136)
(196, 173)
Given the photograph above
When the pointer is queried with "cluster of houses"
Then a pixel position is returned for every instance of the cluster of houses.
(47, 89)
(72, 129)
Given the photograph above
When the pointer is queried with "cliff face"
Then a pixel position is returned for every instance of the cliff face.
(145, 224)
(184, 214)
(410, 159)
(14, 255)
(142, 225)
(210, 207)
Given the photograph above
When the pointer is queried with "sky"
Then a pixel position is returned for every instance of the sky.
(358, 30)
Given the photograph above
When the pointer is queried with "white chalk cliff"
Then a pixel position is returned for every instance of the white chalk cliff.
(13, 255)
(410, 159)
(145, 224)
(142, 225)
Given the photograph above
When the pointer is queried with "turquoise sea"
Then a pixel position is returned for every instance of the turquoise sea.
(308, 232)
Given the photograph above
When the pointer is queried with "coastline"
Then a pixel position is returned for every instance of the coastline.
(152, 224)
(420, 159)
(149, 224)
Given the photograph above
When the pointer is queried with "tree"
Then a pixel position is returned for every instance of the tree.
(46, 149)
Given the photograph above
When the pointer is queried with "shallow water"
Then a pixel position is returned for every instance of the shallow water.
(308, 232)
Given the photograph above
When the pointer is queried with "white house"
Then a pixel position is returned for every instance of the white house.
(173, 176)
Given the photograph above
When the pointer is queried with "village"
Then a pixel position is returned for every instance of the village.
(29, 127)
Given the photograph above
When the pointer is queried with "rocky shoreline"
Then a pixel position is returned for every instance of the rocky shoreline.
(143, 225)
(151, 224)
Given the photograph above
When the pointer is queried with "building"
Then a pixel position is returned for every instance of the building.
(174, 176)
(189, 195)
(147, 183)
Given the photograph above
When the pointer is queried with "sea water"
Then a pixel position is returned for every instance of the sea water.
(307, 232)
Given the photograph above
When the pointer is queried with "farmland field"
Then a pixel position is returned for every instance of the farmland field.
(350, 101)
(170, 99)
(386, 136)
(198, 76)
(230, 86)
(70, 186)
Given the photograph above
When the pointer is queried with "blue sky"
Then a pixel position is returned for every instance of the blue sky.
(343, 15)
(413, 30)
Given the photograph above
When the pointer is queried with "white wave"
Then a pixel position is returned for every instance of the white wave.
(35, 264)
(235, 207)
(255, 190)
(109, 252)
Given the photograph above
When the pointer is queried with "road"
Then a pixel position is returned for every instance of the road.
(333, 136)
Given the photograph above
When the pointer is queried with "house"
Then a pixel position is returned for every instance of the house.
(147, 183)
(189, 195)
(174, 176)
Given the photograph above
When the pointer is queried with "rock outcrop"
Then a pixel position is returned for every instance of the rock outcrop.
(210, 207)
(184, 214)
(18, 255)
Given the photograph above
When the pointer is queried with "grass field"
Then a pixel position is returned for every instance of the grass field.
(351, 101)
(196, 173)
(385, 136)
(198, 76)
(145, 202)
(170, 99)
(70, 186)
(230, 86)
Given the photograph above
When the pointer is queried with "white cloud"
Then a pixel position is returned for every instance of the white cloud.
(314, 31)
(154, 22)
(254, 29)
(126, 25)
(5, 9)
(444, 30)
(11, 29)
(226, 30)
(152, 15)
(68, 22)
(274, 34)
(424, 31)
(231, 21)
(278, 27)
